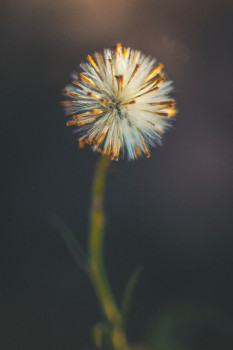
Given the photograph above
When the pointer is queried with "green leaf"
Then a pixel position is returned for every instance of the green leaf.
(70, 241)
(127, 296)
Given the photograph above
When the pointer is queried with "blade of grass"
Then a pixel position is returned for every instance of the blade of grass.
(70, 241)
(127, 295)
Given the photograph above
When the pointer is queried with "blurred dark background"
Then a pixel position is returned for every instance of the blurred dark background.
(172, 213)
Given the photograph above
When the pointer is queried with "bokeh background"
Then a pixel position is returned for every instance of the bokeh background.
(172, 213)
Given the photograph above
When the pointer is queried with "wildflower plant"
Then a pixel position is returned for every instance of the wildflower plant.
(119, 103)
(119, 106)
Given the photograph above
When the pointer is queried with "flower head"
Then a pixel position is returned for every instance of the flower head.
(119, 103)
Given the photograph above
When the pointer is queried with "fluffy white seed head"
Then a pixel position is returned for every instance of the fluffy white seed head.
(119, 103)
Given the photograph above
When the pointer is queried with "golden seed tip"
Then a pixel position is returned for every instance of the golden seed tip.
(96, 111)
(71, 122)
(64, 103)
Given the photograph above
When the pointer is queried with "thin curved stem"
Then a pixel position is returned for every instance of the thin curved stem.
(98, 274)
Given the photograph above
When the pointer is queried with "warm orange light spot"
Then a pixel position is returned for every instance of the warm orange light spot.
(90, 141)
(103, 100)
(171, 111)
(100, 137)
(90, 59)
(145, 148)
(71, 122)
(87, 80)
(118, 46)
(154, 71)
(115, 157)
(86, 122)
(81, 142)
(118, 49)
(124, 52)
(108, 151)
(92, 95)
(96, 111)
(136, 151)
(76, 116)
(65, 103)
(112, 152)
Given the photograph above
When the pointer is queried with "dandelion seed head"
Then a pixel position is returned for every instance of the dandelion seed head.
(119, 103)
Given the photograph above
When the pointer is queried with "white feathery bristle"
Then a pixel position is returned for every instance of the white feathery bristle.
(119, 103)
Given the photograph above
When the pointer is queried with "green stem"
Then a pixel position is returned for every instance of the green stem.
(98, 275)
